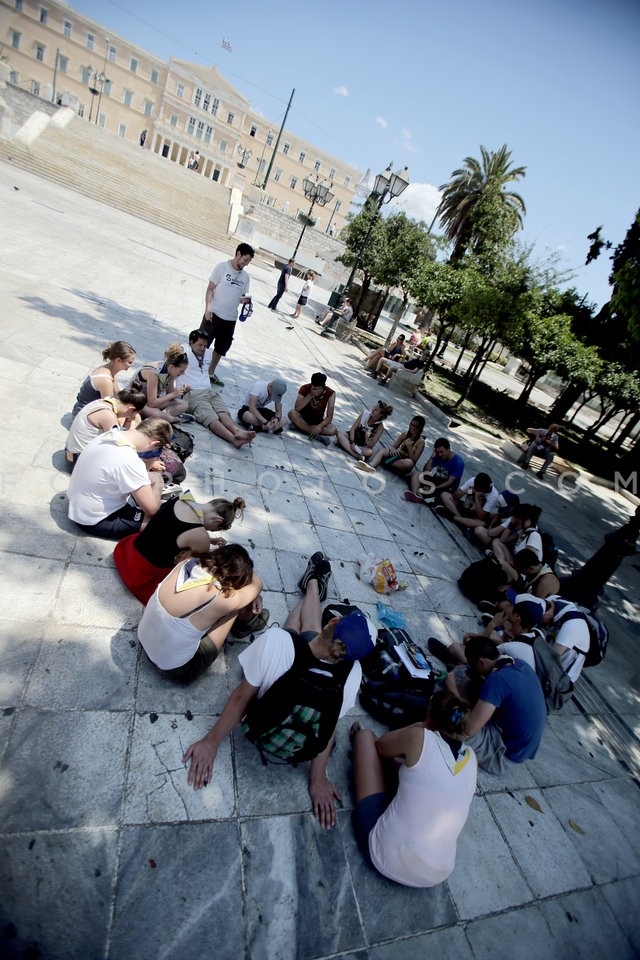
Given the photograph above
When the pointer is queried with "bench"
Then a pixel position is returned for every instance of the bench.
(558, 466)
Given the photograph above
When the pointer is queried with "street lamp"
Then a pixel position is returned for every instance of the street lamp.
(318, 193)
(387, 186)
(100, 78)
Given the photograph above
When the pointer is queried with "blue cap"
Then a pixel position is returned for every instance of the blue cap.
(356, 634)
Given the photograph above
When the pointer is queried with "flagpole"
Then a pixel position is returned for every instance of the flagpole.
(275, 149)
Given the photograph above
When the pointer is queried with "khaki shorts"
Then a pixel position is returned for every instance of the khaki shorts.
(206, 406)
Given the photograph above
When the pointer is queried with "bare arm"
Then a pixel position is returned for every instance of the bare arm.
(302, 401)
(323, 793)
(103, 419)
(406, 743)
(480, 716)
(203, 753)
(207, 298)
(147, 499)
(330, 407)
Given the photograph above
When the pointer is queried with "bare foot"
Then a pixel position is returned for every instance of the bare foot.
(245, 436)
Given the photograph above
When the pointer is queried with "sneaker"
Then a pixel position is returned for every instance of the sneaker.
(485, 619)
(412, 497)
(216, 380)
(540, 474)
(245, 628)
(309, 573)
(322, 573)
(441, 651)
(365, 467)
(487, 607)
(325, 441)
(186, 418)
(440, 510)
(169, 490)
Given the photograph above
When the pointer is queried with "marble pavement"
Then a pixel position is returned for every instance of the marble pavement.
(106, 853)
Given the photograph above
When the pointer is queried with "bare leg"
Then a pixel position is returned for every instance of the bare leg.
(240, 437)
(215, 360)
(368, 771)
(307, 613)
(299, 422)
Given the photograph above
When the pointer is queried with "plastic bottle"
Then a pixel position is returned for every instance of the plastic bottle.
(379, 581)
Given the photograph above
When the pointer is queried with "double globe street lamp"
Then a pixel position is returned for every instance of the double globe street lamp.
(318, 193)
(387, 186)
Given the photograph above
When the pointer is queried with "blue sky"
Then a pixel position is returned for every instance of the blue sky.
(424, 84)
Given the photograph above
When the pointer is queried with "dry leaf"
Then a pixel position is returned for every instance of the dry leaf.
(533, 803)
(576, 827)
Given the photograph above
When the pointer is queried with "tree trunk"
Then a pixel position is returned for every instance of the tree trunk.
(487, 356)
(564, 402)
(530, 383)
(578, 409)
(394, 325)
(607, 414)
(630, 425)
(462, 350)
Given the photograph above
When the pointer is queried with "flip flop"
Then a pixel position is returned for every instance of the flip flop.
(412, 497)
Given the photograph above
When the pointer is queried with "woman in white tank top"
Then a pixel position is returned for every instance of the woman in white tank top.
(413, 839)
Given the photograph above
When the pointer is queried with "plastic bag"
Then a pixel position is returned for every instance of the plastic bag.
(389, 617)
(380, 573)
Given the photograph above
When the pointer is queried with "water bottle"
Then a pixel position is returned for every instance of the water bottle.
(245, 313)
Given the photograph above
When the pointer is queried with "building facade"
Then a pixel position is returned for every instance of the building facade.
(174, 109)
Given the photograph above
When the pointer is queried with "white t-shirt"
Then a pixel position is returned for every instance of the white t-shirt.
(573, 633)
(272, 653)
(490, 500)
(306, 289)
(526, 540)
(197, 373)
(259, 389)
(82, 430)
(107, 472)
(230, 286)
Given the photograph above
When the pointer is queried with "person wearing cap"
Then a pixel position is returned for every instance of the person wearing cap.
(472, 504)
(508, 720)
(342, 641)
(313, 410)
(254, 410)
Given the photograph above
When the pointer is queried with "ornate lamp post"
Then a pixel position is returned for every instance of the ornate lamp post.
(386, 187)
(318, 193)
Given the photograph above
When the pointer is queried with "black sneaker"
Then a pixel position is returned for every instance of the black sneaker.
(325, 441)
(310, 572)
(322, 573)
(441, 510)
(486, 618)
(441, 651)
(488, 607)
(246, 628)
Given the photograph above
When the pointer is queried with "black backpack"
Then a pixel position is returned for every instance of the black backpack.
(481, 580)
(549, 550)
(181, 443)
(295, 719)
(389, 693)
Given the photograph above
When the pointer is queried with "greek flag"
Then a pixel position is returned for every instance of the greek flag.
(226, 45)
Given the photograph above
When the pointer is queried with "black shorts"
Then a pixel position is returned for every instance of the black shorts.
(265, 412)
(219, 332)
(119, 524)
(307, 635)
(302, 301)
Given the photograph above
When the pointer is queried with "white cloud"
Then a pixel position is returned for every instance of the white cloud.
(341, 91)
(381, 122)
(419, 201)
(407, 140)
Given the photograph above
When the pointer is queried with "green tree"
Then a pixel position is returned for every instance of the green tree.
(405, 243)
(476, 208)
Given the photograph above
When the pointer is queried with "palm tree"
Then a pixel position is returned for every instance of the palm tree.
(471, 186)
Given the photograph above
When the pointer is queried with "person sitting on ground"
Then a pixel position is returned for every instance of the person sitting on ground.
(98, 417)
(515, 533)
(111, 492)
(181, 528)
(472, 504)
(101, 382)
(394, 352)
(535, 577)
(441, 473)
(345, 313)
(281, 668)
(204, 402)
(158, 382)
(254, 410)
(387, 369)
(189, 615)
(305, 293)
(360, 439)
(402, 457)
(313, 410)
(413, 839)
(545, 443)
(568, 631)
(507, 722)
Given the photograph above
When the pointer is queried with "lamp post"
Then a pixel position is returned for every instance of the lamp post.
(100, 78)
(386, 187)
(257, 182)
(318, 193)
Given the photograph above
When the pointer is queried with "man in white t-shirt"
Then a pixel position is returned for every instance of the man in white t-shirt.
(254, 410)
(204, 403)
(228, 287)
(111, 493)
(271, 656)
(568, 631)
(472, 504)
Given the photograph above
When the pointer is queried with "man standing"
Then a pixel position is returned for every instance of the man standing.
(254, 410)
(545, 444)
(228, 287)
(204, 403)
(299, 678)
(313, 410)
(283, 283)
(442, 472)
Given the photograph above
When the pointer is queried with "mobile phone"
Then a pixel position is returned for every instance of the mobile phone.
(417, 657)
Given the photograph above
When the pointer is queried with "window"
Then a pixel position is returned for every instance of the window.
(81, 109)
(86, 75)
(347, 181)
(102, 120)
(44, 15)
(208, 134)
(15, 39)
(127, 99)
(173, 121)
(111, 54)
(154, 76)
(277, 175)
(106, 88)
(133, 66)
(285, 207)
(35, 88)
(271, 201)
(229, 118)
(90, 41)
(302, 157)
(148, 107)
(67, 27)
(206, 103)
(253, 130)
(223, 146)
(332, 173)
(215, 176)
(261, 166)
(197, 96)
(13, 77)
(63, 64)
(316, 166)
(40, 52)
(214, 106)
(191, 126)
(122, 130)
(337, 206)
(180, 90)
(285, 148)
(18, 5)
(200, 130)
(294, 183)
